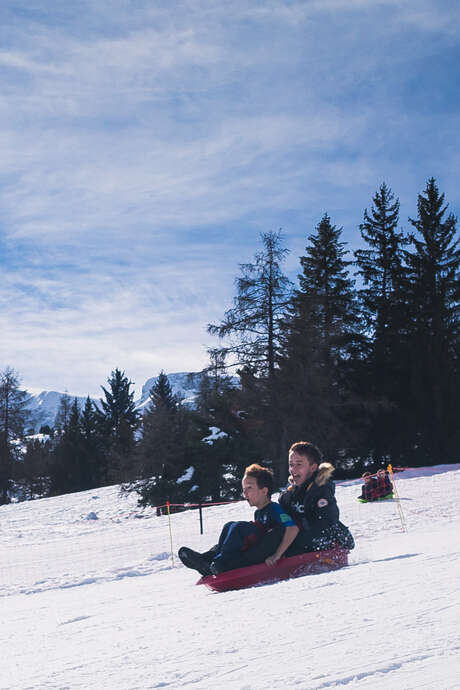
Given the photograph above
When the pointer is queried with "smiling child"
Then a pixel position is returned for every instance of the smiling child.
(311, 503)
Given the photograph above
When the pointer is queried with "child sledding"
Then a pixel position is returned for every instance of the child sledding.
(270, 522)
(376, 487)
(305, 520)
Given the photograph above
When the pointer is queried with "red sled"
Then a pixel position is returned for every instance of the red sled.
(309, 563)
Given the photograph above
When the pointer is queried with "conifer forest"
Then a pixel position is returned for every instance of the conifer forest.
(359, 355)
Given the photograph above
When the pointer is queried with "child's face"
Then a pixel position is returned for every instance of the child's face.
(367, 480)
(256, 497)
(301, 468)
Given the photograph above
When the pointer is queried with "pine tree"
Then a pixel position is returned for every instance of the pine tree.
(253, 332)
(380, 266)
(433, 403)
(233, 443)
(170, 444)
(33, 472)
(65, 464)
(63, 413)
(13, 416)
(319, 341)
(93, 469)
(78, 461)
(161, 395)
(216, 392)
(118, 420)
(254, 322)
(383, 304)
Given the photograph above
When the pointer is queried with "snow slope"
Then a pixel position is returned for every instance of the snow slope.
(90, 599)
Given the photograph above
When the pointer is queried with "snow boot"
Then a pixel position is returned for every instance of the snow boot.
(193, 559)
(211, 554)
(217, 568)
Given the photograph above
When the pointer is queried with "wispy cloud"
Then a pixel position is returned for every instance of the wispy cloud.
(145, 146)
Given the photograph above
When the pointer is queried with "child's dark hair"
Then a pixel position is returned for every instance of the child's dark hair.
(308, 450)
(262, 475)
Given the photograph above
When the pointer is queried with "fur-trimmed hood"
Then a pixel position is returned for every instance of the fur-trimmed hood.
(312, 505)
(324, 473)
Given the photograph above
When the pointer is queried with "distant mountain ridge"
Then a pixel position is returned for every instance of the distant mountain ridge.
(184, 385)
(43, 406)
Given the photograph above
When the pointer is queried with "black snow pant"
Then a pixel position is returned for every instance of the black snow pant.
(264, 548)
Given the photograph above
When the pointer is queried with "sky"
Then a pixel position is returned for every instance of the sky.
(145, 146)
(93, 598)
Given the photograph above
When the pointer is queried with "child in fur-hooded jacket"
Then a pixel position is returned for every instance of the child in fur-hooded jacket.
(310, 501)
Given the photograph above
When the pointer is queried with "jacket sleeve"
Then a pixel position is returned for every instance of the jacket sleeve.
(278, 517)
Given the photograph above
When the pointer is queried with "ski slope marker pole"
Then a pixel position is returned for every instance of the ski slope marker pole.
(398, 500)
(170, 532)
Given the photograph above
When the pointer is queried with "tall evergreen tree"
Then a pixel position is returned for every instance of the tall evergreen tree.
(63, 413)
(118, 420)
(319, 343)
(12, 420)
(93, 461)
(33, 471)
(161, 395)
(65, 464)
(216, 392)
(380, 266)
(227, 412)
(383, 304)
(434, 400)
(170, 445)
(253, 325)
(78, 459)
(160, 449)
(253, 331)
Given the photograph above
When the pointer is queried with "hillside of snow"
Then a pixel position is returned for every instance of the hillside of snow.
(90, 598)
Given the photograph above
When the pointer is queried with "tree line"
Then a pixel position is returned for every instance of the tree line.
(361, 356)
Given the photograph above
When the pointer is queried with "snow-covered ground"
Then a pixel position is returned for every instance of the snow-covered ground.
(91, 599)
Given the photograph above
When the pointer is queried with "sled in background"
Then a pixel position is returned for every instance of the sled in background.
(295, 566)
(380, 498)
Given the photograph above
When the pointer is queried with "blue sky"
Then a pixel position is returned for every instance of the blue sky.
(146, 145)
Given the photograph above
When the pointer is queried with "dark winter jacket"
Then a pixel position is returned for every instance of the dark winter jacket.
(314, 509)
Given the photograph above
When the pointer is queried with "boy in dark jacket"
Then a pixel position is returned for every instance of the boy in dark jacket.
(310, 501)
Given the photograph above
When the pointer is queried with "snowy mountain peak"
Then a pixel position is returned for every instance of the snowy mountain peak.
(184, 386)
(43, 405)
